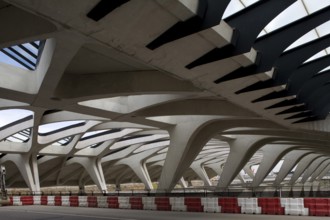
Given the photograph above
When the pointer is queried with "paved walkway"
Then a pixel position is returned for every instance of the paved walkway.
(67, 213)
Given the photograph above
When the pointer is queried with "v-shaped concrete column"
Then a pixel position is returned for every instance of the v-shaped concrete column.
(198, 168)
(117, 156)
(137, 163)
(249, 172)
(312, 167)
(290, 160)
(241, 150)
(182, 151)
(216, 167)
(35, 172)
(324, 172)
(189, 136)
(241, 178)
(318, 170)
(302, 166)
(183, 183)
(272, 154)
(93, 167)
(28, 167)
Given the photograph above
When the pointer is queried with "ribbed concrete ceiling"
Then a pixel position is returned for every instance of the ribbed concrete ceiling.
(110, 92)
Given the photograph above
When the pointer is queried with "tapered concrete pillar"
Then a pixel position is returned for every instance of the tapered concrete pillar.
(27, 166)
(272, 154)
(181, 154)
(93, 167)
(34, 164)
(241, 178)
(324, 172)
(216, 167)
(189, 136)
(137, 163)
(302, 166)
(198, 167)
(312, 167)
(183, 183)
(249, 172)
(142, 172)
(100, 170)
(319, 170)
(241, 150)
(290, 160)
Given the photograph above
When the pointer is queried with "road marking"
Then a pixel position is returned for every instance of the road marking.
(76, 215)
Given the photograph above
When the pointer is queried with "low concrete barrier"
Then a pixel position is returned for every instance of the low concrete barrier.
(271, 206)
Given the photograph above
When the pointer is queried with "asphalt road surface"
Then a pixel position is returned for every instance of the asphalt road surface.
(68, 213)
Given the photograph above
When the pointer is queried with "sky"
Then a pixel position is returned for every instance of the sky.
(298, 10)
(8, 116)
(5, 59)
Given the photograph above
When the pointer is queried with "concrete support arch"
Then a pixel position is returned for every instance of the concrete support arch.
(272, 154)
(189, 136)
(28, 167)
(323, 173)
(183, 183)
(137, 164)
(302, 166)
(93, 168)
(198, 167)
(319, 170)
(241, 150)
(312, 167)
(290, 160)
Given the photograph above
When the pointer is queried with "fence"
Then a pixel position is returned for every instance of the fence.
(262, 205)
(287, 192)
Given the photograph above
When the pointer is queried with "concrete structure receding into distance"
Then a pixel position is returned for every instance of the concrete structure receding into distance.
(167, 91)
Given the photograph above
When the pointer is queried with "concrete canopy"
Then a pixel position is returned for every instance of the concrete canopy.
(110, 92)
